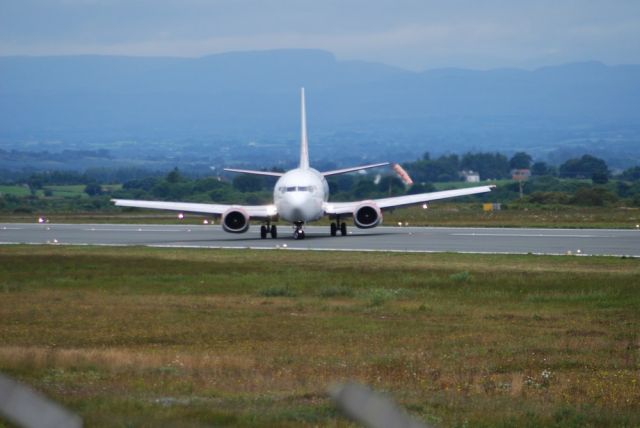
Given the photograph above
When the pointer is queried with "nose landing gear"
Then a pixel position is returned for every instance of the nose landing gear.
(298, 232)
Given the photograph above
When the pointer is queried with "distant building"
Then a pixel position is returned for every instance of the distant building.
(470, 176)
(520, 174)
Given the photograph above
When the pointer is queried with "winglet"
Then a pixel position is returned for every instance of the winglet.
(304, 145)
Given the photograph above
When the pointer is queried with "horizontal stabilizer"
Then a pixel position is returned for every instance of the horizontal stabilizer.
(252, 172)
(352, 169)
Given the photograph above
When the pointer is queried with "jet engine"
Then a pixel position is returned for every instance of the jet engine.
(367, 215)
(235, 220)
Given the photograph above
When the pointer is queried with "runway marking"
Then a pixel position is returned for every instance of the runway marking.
(524, 235)
(134, 230)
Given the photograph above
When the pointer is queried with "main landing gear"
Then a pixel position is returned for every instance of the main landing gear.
(338, 225)
(267, 229)
(298, 232)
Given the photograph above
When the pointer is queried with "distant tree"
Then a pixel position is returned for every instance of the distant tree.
(445, 168)
(599, 177)
(390, 185)
(520, 160)
(208, 184)
(247, 183)
(93, 189)
(488, 165)
(631, 174)
(541, 168)
(35, 182)
(549, 198)
(145, 184)
(364, 188)
(593, 196)
(174, 176)
(341, 183)
(585, 167)
(420, 188)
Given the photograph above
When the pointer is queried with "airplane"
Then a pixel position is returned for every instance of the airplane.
(300, 196)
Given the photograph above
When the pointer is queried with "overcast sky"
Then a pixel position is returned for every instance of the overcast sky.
(413, 34)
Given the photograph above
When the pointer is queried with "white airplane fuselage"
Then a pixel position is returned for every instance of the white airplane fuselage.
(300, 194)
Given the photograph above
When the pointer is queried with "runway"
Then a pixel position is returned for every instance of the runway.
(400, 239)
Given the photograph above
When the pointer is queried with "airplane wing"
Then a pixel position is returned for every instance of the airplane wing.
(254, 211)
(346, 208)
(352, 169)
(253, 172)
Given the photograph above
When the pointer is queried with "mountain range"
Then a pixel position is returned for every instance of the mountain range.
(254, 96)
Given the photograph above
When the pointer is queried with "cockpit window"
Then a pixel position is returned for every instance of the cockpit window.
(298, 189)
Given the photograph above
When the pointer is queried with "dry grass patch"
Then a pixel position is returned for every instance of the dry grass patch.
(137, 336)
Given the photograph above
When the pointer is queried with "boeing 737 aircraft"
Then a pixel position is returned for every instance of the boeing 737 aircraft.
(300, 196)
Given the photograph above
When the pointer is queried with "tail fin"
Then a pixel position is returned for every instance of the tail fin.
(304, 145)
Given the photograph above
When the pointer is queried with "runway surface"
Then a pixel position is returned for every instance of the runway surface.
(404, 239)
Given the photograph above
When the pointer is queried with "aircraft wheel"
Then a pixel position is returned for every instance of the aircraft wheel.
(343, 229)
(274, 231)
(263, 232)
(334, 229)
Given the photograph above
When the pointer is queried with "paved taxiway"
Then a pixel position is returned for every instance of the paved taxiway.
(428, 239)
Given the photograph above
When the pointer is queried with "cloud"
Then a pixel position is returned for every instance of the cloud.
(408, 33)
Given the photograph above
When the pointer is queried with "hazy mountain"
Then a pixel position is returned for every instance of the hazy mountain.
(255, 96)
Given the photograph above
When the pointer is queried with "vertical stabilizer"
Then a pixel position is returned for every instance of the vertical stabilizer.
(304, 145)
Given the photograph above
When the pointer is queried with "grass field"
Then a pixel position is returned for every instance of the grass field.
(159, 337)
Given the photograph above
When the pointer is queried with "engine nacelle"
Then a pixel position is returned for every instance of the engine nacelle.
(367, 215)
(235, 220)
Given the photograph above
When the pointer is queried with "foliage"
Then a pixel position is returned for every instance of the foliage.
(593, 196)
(174, 176)
(489, 165)
(520, 160)
(93, 189)
(445, 168)
(541, 168)
(247, 183)
(550, 198)
(585, 167)
(631, 174)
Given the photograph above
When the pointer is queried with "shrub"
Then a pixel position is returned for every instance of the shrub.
(380, 296)
(277, 291)
(336, 291)
(593, 196)
(463, 276)
(549, 198)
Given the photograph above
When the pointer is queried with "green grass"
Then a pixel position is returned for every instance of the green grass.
(68, 191)
(145, 337)
(14, 190)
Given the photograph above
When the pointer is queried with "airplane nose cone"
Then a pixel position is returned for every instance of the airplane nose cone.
(297, 213)
(300, 207)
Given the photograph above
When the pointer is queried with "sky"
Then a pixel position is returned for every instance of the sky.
(411, 34)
